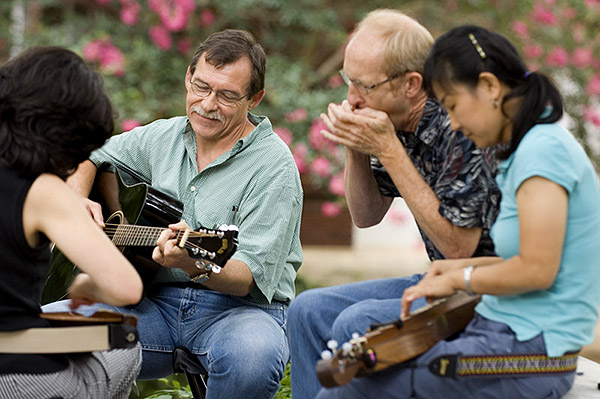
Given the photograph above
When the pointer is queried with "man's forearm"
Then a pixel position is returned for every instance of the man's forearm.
(451, 240)
(366, 204)
(83, 179)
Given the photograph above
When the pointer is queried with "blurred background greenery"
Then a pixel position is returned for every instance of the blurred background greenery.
(143, 47)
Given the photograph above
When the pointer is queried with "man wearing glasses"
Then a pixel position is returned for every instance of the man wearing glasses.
(217, 158)
(399, 143)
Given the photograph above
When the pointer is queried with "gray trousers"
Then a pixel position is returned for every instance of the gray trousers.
(97, 375)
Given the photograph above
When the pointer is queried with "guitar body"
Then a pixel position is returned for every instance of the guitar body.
(397, 342)
(128, 205)
(136, 203)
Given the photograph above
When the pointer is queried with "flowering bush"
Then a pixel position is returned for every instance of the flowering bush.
(562, 38)
(143, 48)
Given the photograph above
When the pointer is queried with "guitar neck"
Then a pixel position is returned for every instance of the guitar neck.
(134, 235)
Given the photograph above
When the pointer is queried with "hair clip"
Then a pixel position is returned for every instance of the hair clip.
(526, 75)
(477, 46)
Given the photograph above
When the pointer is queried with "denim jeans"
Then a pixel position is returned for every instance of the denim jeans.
(482, 336)
(321, 314)
(241, 343)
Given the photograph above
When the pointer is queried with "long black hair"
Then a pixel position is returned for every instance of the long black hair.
(461, 54)
(53, 112)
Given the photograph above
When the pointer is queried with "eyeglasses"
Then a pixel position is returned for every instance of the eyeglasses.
(224, 97)
(366, 89)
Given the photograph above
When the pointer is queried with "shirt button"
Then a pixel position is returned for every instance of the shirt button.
(193, 188)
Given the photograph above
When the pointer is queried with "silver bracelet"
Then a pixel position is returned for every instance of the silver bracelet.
(467, 272)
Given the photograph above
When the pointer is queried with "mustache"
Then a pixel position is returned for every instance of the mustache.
(210, 115)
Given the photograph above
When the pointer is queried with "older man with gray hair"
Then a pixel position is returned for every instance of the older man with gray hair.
(399, 143)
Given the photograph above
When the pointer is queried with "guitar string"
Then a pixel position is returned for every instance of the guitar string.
(134, 231)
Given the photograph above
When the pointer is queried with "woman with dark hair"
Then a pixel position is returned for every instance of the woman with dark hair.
(53, 113)
(539, 298)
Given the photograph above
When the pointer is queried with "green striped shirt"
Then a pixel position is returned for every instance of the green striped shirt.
(258, 175)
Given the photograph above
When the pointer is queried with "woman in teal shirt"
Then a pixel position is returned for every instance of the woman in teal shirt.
(540, 295)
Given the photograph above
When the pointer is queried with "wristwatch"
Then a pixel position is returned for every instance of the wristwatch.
(467, 272)
(207, 269)
(200, 278)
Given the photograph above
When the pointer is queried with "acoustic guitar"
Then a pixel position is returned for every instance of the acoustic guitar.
(135, 214)
(396, 342)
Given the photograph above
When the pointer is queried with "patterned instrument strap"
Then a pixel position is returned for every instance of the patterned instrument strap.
(502, 365)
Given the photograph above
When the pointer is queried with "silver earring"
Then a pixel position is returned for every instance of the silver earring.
(495, 103)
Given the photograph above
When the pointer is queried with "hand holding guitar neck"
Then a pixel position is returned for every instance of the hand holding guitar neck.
(213, 247)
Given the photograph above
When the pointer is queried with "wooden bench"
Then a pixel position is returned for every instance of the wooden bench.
(587, 381)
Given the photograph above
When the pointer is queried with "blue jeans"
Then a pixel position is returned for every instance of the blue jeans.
(482, 336)
(321, 314)
(241, 343)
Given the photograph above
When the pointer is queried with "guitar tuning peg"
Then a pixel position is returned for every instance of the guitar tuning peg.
(216, 269)
(332, 344)
(326, 355)
(346, 348)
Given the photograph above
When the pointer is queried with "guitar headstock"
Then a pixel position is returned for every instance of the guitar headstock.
(215, 246)
(339, 365)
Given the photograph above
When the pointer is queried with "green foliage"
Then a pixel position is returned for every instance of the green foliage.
(175, 387)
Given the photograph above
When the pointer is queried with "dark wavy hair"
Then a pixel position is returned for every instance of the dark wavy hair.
(456, 59)
(53, 112)
(228, 46)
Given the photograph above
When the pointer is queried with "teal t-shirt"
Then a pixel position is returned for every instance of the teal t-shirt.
(566, 314)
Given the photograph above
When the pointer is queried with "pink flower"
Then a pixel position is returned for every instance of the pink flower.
(92, 50)
(109, 57)
(582, 57)
(520, 29)
(543, 15)
(297, 115)
(299, 152)
(335, 81)
(533, 50)
(184, 45)
(112, 60)
(591, 115)
(593, 87)
(315, 138)
(161, 37)
(207, 17)
(321, 167)
(558, 57)
(592, 4)
(130, 11)
(569, 13)
(129, 124)
(331, 209)
(173, 14)
(336, 185)
(285, 134)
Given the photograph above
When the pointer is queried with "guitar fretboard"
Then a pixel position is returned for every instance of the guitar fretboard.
(134, 235)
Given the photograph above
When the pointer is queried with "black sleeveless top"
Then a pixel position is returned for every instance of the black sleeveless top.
(22, 273)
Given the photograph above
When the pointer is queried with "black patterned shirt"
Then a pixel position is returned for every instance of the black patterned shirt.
(461, 175)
